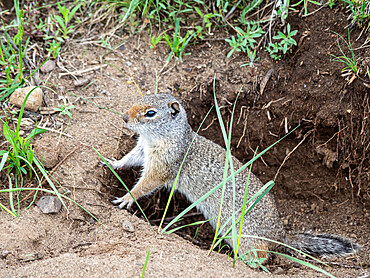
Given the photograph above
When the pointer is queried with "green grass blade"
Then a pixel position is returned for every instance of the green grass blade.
(3, 160)
(243, 209)
(302, 263)
(224, 176)
(188, 225)
(146, 262)
(11, 204)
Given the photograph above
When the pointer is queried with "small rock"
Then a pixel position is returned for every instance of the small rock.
(82, 82)
(49, 204)
(33, 102)
(129, 64)
(279, 271)
(4, 254)
(122, 47)
(48, 66)
(128, 227)
(91, 221)
(58, 124)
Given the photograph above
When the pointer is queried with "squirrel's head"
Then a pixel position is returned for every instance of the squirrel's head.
(156, 117)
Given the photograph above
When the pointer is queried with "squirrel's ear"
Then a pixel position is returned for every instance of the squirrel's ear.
(175, 108)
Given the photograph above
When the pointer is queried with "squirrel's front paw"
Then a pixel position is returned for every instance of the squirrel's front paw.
(112, 162)
(123, 202)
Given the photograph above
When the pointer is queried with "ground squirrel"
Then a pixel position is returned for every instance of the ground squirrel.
(164, 137)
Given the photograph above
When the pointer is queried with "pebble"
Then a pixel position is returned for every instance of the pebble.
(128, 227)
(33, 102)
(4, 254)
(48, 66)
(81, 82)
(129, 64)
(49, 204)
(279, 271)
(58, 124)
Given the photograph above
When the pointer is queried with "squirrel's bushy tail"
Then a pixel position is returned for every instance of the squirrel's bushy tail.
(323, 245)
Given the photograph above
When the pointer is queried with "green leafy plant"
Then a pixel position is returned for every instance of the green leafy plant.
(155, 40)
(54, 48)
(65, 108)
(63, 21)
(104, 42)
(252, 58)
(244, 39)
(274, 50)
(20, 153)
(285, 43)
(177, 44)
(331, 3)
(252, 260)
(305, 4)
(206, 22)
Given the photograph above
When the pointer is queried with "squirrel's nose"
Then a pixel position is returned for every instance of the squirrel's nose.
(125, 117)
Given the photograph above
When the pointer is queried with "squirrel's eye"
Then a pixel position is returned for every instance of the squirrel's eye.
(150, 113)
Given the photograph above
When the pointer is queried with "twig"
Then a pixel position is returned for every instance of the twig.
(78, 72)
(315, 11)
(56, 131)
(244, 130)
(288, 155)
(165, 65)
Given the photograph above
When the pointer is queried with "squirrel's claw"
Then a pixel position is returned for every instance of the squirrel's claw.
(123, 202)
(111, 161)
